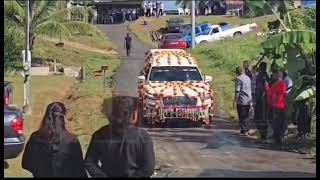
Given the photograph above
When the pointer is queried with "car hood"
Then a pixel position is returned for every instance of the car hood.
(192, 89)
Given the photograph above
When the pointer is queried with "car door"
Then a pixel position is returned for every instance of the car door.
(215, 34)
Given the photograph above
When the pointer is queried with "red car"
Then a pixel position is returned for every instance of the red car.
(172, 41)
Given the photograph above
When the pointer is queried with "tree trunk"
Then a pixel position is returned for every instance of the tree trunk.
(31, 40)
(278, 17)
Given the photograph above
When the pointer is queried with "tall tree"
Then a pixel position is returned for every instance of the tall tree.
(46, 19)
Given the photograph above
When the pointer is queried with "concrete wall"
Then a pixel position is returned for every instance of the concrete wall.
(40, 71)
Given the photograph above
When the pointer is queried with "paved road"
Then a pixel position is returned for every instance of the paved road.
(216, 152)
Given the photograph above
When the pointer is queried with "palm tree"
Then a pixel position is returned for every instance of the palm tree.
(46, 19)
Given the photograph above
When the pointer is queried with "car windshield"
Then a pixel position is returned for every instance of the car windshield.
(175, 73)
(172, 37)
(175, 20)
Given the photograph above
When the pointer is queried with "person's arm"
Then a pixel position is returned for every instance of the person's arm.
(147, 165)
(267, 87)
(237, 90)
(92, 159)
(29, 160)
(78, 168)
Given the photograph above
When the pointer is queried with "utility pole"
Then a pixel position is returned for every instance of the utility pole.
(27, 61)
(193, 23)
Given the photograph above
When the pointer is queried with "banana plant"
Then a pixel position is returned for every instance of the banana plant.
(303, 44)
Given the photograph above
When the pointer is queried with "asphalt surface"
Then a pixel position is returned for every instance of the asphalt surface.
(197, 152)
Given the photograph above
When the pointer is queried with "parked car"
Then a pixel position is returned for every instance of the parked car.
(171, 87)
(172, 40)
(199, 30)
(186, 27)
(215, 32)
(174, 24)
(225, 26)
(14, 139)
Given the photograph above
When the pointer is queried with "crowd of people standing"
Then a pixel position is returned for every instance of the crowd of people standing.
(266, 96)
(153, 8)
(117, 15)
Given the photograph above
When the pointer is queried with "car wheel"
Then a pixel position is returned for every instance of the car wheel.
(237, 34)
(203, 42)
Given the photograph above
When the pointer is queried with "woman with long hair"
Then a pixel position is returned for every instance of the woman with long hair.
(52, 151)
(123, 149)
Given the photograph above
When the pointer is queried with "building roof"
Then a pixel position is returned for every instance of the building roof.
(170, 57)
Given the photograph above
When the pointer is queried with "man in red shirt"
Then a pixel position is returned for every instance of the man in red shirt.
(276, 92)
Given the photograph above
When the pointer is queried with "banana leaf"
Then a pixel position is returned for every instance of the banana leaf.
(291, 37)
(306, 94)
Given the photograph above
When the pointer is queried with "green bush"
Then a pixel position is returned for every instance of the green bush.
(304, 18)
(13, 46)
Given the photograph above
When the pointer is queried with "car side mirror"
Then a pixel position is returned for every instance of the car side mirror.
(207, 78)
(141, 78)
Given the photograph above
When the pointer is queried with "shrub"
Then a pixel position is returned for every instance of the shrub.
(13, 46)
(304, 18)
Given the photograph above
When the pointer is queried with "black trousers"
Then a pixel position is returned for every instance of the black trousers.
(148, 13)
(261, 117)
(279, 123)
(128, 50)
(243, 113)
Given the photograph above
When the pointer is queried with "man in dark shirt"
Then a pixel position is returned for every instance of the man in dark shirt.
(260, 107)
(127, 43)
(123, 149)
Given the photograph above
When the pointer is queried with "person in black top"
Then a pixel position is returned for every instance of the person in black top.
(123, 149)
(127, 43)
(260, 107)
(52, 151)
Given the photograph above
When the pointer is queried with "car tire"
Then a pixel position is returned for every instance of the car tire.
(203, 42)
(237, 34)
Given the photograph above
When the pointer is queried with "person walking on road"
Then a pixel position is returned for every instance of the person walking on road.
(123, 149)
(127, 43)
(276, 91)
(260, 105)
(52, 151)
(242, 98)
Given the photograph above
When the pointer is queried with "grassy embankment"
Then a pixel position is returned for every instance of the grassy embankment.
(86, 101)
(218, 59)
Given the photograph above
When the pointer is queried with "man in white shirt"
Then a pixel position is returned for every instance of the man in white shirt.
(161, 8)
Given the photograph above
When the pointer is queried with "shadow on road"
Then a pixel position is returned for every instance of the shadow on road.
(235, 173)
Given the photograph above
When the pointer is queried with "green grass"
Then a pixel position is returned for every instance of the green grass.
(219, 60)
(87, 101)
(142, 32)
(100, 42)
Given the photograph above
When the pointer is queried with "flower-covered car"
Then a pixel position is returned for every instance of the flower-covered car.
(172, 87)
